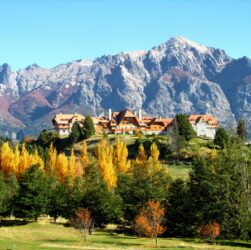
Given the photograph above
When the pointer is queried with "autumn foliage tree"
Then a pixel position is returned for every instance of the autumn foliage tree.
(13, 160)
(154, 163)
(142, 156)
(84, 158)
(120, 154)
(211, 230)
(149, 221)
(62, 166)
(105, 162)
(82, 221)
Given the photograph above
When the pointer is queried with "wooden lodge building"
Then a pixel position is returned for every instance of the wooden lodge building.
(127, 122)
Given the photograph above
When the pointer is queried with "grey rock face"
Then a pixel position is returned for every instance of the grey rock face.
(179, 76)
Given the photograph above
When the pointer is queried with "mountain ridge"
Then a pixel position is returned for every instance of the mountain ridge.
(178, 76)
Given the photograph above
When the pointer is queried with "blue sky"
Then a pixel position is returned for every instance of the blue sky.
(50, 32)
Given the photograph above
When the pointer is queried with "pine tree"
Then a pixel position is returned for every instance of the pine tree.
(221, 138)
(241, 130)
(33, 195)
(185, 129)
(75, 133)
(88, 127)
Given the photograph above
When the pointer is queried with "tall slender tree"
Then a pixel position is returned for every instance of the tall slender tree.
(241, 130)
(105, 161)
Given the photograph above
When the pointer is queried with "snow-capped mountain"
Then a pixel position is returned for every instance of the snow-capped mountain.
(179, 76)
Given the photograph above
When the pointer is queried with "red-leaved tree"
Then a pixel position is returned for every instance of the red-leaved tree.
(211, 230)
(82, 221)
(149, 221)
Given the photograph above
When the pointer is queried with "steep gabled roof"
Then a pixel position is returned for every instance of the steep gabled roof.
(67, 118)
(125, 114)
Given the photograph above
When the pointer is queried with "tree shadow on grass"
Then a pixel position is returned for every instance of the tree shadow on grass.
(234, 244)
(61, 240)
(119, 244)
(220, 243)
(12, 223)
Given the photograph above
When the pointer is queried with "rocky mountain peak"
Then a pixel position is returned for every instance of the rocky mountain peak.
(178, 76)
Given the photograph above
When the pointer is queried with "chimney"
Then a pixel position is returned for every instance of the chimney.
(110, 114)
(140, 114)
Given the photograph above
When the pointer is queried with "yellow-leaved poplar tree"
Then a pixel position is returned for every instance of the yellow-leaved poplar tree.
(105, 162)
(62, 166)
(84, 158)
(16, 161)
(24, 160)
(72, 168)
(120, 154)
(6, 159)
(141, 157)
(154, 158)
(35, 159)
(52, 161)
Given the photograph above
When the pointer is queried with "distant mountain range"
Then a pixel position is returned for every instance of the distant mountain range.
(179, 76)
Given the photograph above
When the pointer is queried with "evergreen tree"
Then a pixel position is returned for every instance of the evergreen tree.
(140, 185)
(3, 195)
(88, 127)
(46, 138)
(217, 192)
(75, 133)
(241, 130)
(12, 189)
(221, 137)
(184, 127)
(105, 204)
(33, 194)
(58, 201)
(177, 208)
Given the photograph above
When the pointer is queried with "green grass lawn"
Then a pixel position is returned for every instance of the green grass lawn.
(178, 171)
(50, 236)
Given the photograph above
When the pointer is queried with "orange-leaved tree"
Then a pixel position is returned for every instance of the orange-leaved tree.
(82, 221)
(211, 230)
(149, 221)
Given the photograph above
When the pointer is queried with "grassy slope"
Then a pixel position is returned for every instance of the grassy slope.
(51, 236)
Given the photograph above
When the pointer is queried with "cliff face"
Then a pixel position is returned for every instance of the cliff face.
(179, 76)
